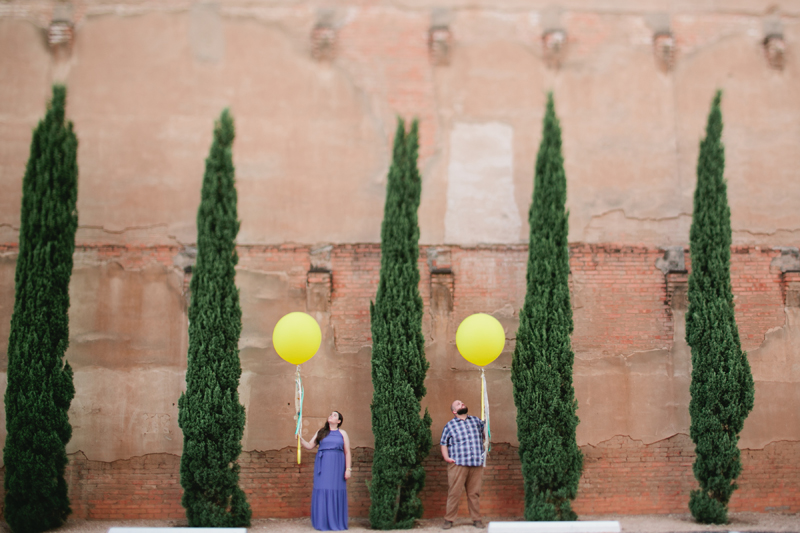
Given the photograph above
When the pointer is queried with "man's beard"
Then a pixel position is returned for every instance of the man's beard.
(462, 411)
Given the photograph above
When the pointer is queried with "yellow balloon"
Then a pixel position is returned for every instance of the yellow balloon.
(480, 339)
(296, 337)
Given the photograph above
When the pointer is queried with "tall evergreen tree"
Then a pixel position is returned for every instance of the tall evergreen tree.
(541, 369)
(40, 387)
(210, 415)
(722, 386)
(402, 437)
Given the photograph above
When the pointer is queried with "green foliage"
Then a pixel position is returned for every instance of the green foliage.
(210, 415)
(40, 387)
(722, 386)
(541, 370)
(402, 437)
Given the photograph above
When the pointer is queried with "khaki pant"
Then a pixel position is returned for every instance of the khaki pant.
(459, 477)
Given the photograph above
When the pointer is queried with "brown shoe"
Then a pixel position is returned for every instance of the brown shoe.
(447, 524)
(478, 524)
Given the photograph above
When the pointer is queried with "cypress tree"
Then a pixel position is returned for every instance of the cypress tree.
(40, 387)
(210, 415)
(722, 390)
(402, 437)
(541, 369)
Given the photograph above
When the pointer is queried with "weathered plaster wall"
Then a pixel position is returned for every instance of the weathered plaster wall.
(631, 373)
(128, 341)
(146, 81)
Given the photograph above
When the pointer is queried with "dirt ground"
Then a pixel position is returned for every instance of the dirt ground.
(676, 523)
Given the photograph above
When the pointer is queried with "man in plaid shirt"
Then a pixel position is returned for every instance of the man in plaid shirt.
(462, 447)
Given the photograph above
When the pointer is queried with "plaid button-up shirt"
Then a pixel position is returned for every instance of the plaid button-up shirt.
(464, 440)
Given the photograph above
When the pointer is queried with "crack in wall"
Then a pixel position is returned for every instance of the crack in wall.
(603, 227)
(638, 219)
(130, 229)
(791, 231)
(292, 450)
(125, 229)
(682, 215)
(640, 441)
(629, 355)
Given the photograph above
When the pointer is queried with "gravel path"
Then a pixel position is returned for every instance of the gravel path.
(676, 523)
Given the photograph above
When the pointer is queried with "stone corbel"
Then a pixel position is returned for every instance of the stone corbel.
(439, 45)
(664, 42)
(789, 264)
(319, 283)
(673, 265)
(775, 50)
(554, 44)
(664, 50)
(442, 284)
(442, 287)
(324, 36)
(774, 44)
(61, 30)
(440, 38)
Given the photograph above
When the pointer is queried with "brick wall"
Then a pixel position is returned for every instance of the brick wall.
(623, 475)
(756, 293)
(138, 488)
(620, 476)
(622, 303)
(627, 294)
(618, 300)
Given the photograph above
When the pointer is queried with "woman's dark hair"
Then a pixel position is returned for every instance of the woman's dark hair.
(323, 432)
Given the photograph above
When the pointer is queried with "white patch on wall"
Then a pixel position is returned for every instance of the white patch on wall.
(480, 185)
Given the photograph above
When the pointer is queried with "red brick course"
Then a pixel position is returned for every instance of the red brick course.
(619, 300)
(620, 476)
(138, 488)
(619, 296)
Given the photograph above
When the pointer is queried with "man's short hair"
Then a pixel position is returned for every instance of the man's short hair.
(453, 406)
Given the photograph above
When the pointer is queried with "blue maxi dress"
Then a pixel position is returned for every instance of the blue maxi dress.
(329, 497)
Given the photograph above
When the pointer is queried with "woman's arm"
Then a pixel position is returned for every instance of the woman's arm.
(309, 445)
(348, 461)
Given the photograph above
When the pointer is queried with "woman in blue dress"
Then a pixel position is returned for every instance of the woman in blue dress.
(331, 471)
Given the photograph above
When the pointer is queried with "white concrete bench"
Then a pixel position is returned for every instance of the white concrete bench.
(174, 529)
(604, 526)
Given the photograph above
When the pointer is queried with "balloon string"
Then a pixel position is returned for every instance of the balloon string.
(487, 444)
(298, 401)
